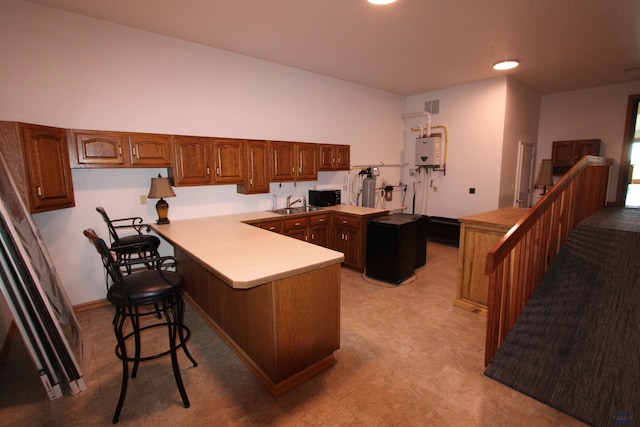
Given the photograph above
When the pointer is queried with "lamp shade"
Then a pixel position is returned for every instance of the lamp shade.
(545, 174)
(160, 188)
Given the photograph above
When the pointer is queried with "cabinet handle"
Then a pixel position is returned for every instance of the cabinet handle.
(39, 191)
(296, 224)
(321, 220)
(250, 181)
(271, 228)
(313, 236)
(135, 152)
(218, 171)
(344, 222)
(207, 171)
(120, 150)
(333, 160)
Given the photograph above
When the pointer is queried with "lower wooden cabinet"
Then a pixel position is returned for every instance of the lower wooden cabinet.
(478, 234)
(38, 159)
(346, 233)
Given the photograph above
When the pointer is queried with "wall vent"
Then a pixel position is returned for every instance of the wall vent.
(432, 106)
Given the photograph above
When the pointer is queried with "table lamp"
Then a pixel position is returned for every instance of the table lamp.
(160, 188)
(545, 176)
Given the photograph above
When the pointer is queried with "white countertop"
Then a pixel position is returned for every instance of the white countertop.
(245, 256)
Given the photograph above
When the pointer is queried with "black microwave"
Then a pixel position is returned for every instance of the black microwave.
(324, 197)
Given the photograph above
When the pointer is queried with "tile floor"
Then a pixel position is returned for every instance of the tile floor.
(408, 357)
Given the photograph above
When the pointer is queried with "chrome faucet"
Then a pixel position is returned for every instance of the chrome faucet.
(290, 203)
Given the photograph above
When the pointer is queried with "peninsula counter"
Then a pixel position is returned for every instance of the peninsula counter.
(273, 299)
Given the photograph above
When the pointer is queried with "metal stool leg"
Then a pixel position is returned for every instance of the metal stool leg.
(183, 342)
(174, 325)
(118, 324)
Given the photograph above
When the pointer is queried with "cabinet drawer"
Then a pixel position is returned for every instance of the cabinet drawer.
(295, 223)
(275, 226)
(322, 219)
(348, 221)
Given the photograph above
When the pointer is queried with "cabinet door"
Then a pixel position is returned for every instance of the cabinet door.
(562, 153)
(151, 150)
(48, 171)
(588, 147)
(307, 158)
(257, 174)
(283, 164)
(327, 157)
(347, 241)
(319, 230)
(229, 161)
(193, 161)
(105, 149)
(343, 157)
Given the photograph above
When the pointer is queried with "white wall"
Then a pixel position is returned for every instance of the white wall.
(65, 70)
(586, 114)
(522, 113)
(474, 115)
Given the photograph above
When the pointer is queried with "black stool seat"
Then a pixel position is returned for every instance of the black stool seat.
(158, 287)
(144, 287)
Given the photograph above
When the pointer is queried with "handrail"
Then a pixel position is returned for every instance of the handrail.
(519, 261)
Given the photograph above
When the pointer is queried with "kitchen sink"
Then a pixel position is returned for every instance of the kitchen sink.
(296, 210)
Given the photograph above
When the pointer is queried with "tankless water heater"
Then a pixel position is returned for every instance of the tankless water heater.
(429, 151)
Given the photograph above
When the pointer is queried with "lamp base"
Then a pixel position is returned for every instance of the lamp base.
(162, 208)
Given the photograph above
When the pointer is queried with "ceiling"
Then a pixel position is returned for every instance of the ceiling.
(409, 47)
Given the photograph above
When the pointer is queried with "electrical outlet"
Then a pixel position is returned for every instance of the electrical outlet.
(143, 199)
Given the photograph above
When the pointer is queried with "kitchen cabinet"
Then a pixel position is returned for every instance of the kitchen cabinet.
(194, 160)
(229, 160)
(564, 154)
(293, 161)
(270, 225)
(38, 159)
(320, 229)
(478, 234)
(296, 227)
(105, 149)
(350, 237)
(256, 178)
(334, 157)
(151, 150)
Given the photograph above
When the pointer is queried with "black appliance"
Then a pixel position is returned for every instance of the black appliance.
(391, 248)
(421, 237)
(324, 197)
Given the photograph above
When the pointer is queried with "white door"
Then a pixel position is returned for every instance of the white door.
(524, 175)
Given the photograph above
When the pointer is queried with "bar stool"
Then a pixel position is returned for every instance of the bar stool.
(156, 286)
(136, 245)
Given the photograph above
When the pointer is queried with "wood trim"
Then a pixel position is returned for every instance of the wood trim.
(81, 308)
(625, 157)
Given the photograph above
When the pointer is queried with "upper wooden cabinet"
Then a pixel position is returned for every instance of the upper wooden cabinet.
(256, 179)
(38, 159)
(118, 149)
(194, 160)
(334, 157)
(564, 154)
(151, 150)
(205, 161)
(293, 161)
(229, 160)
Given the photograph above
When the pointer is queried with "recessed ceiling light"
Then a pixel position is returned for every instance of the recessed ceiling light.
(381, 1)
(506, 65)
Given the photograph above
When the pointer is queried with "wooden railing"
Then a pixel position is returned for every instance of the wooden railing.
(517, 263)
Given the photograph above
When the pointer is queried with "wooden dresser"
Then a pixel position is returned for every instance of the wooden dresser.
(478, 234)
